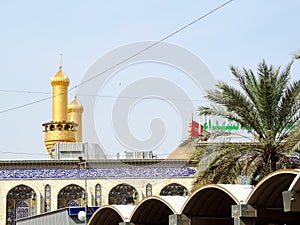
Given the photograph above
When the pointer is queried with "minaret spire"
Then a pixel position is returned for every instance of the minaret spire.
(75, 110)
(60, 83)
(60, 129)
(61, 61)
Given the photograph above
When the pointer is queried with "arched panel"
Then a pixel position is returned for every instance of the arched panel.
(98, 195)
(22, 210)
(47, 198)
(174, 189)
(20, 203)
(71, 195)
(123, 194)
(148, 190)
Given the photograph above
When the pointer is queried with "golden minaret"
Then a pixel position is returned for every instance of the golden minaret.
(59, 129)
(75, 110)
(60, 83)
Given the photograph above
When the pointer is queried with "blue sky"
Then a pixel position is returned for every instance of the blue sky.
(35, 33)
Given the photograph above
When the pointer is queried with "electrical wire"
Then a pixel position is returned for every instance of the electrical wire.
(22, 153)
(24, 91)
(152, 45)
(126, 59)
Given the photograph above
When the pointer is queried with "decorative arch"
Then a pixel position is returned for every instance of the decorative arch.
(73, 203)
(148, 190)
(174, 189)
(123, 194)
(98, 194)
(20, 203)
(47, 198)
(71, 195)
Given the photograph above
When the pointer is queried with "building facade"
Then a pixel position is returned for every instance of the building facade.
(34, 187)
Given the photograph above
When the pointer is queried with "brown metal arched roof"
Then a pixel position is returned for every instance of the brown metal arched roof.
(215, 200)
(156, 210)
(268, 192)
(111, 215)
(295, 185)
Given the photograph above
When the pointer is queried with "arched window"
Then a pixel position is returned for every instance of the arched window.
(123, 194)
(52, 127)
(71, 195)
(148, 190)
(173, 190)
(22, 209)
(98, 195)
(20, 203)
(73, 203)
(47, 198)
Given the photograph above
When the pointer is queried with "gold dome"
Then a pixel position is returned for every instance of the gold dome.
(60, 79)
(75, 106)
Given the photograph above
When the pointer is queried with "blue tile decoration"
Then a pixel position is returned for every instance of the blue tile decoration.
(45, 173)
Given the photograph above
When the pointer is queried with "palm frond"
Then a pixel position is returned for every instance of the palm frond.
(268, 103)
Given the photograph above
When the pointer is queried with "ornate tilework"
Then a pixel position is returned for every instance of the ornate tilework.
(173, 190)
(22, 210)
(98, 195)
(47, 198)
(123, 194)
(148, 190)
(71, 195)
(46, 173)
(20, 203)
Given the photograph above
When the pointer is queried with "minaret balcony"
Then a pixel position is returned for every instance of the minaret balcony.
(60, 126)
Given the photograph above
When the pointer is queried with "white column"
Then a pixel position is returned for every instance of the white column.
(179, 219)
(243, 214)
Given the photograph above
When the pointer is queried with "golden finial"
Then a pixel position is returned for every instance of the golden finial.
(60, 79)
(75, 106)
(60, 61)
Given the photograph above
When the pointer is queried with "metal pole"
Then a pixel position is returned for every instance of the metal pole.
(86, 193)
(83, 162)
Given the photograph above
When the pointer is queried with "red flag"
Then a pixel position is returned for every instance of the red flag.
(194, 132)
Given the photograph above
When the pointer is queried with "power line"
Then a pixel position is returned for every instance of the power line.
(128, 58)
(154, 44)
(24, 91)
(104, 96)
(27, 104)
(22, 153)
(146, 98)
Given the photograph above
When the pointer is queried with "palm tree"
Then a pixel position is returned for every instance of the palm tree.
(268, 104)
